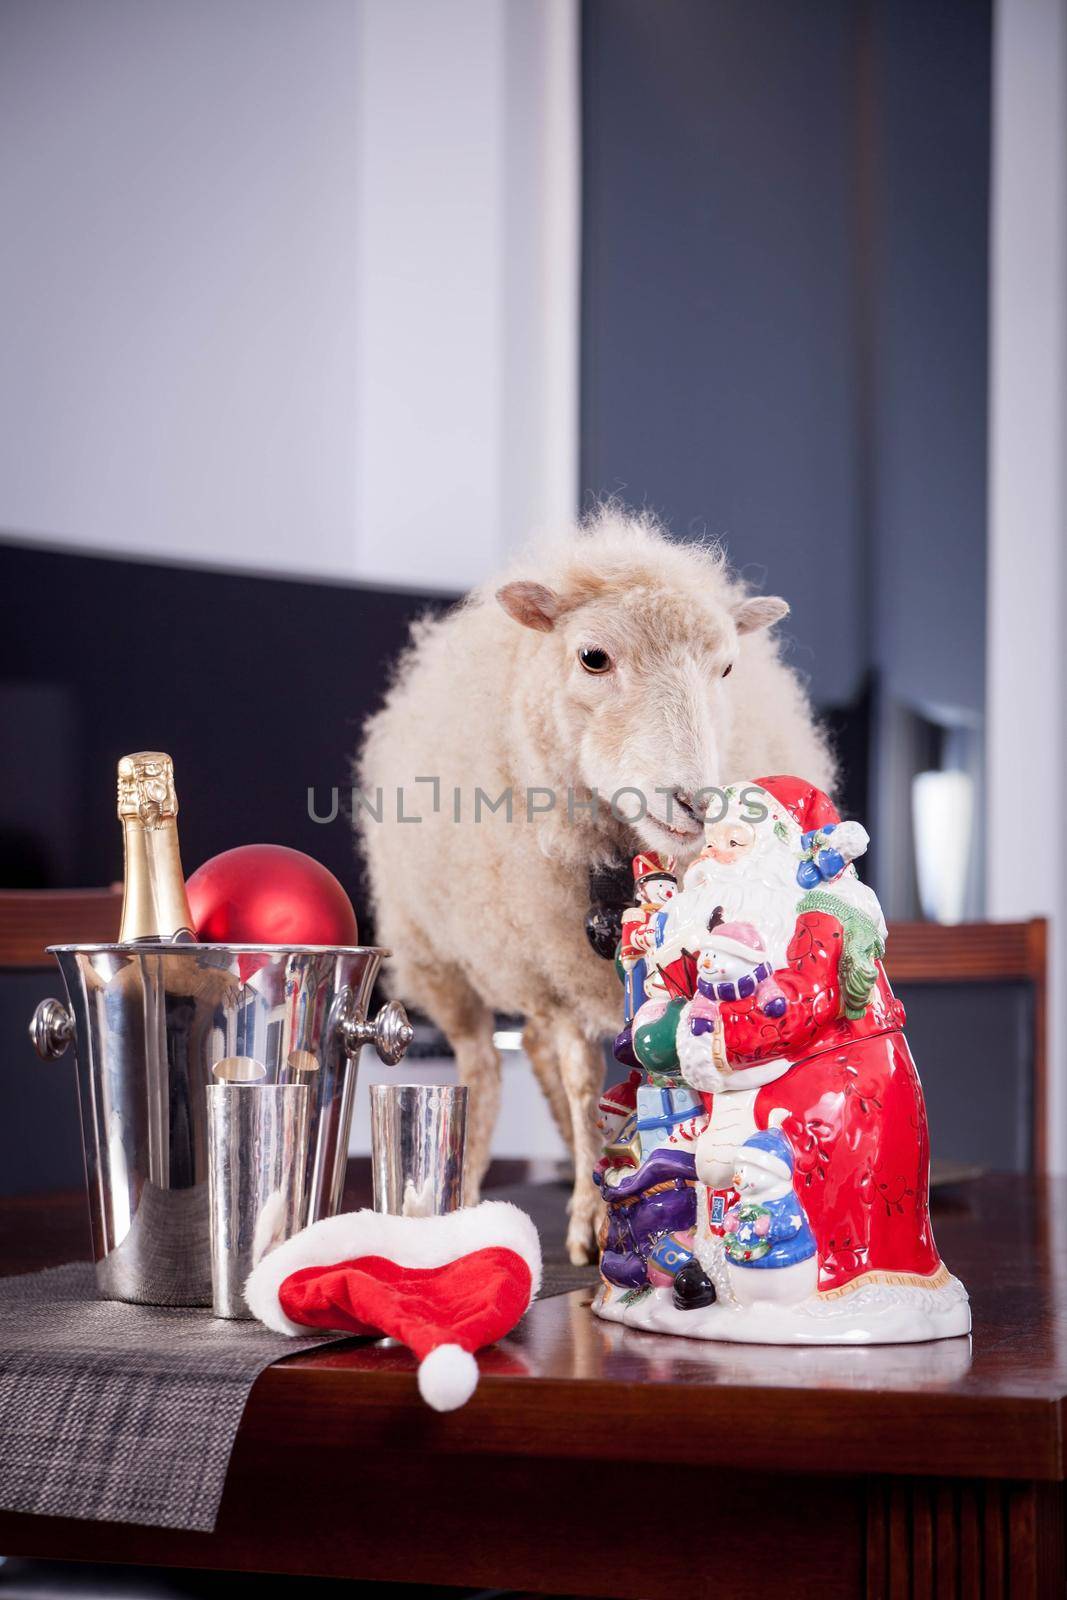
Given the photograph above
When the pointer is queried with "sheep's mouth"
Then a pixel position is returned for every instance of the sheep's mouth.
(691, 830)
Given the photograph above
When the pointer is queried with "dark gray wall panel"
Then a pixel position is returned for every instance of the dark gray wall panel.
(720, 376)
(785, 286)
(930, 240)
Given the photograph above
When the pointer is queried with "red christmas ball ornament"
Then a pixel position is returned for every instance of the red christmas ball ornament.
(269, 894)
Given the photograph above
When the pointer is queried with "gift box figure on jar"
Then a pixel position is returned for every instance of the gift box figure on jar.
(780, 1194)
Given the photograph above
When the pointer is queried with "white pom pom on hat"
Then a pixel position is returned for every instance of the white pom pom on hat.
(448, 1377)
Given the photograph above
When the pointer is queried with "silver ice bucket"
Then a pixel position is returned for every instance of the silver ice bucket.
(148, 1023)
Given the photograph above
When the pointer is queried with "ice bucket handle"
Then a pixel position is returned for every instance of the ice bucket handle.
(390, 1033)
(51, 1029)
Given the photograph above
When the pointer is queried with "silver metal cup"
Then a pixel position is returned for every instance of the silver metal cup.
(257, 1154)
(418, 1135)
(149, 1024)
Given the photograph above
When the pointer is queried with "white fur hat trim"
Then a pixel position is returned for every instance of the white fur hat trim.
(409, 1241)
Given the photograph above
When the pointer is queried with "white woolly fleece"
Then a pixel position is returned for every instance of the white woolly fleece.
(409, 1241)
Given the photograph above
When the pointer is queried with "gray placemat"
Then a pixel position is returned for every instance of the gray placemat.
(126, 1413)
(560, 1277)
(116, 1412)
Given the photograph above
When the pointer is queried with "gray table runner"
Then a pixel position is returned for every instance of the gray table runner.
(124, 1413)
(121, 1413)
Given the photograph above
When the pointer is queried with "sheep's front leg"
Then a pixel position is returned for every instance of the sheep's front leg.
(581, 1066)
(539, 1045)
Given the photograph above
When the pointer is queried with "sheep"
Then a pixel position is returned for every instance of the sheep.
(613, 659)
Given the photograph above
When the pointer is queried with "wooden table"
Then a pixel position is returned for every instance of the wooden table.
(595, 1460)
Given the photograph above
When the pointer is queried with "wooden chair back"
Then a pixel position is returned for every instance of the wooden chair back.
(32, 919)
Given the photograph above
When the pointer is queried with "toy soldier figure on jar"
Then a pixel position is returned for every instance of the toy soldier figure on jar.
(655, 884)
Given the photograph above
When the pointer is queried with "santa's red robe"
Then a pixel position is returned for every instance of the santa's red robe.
(856, 1118)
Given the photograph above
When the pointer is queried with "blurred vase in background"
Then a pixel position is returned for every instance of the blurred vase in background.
(943, 822)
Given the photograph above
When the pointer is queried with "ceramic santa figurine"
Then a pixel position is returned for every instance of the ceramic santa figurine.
(820, 1057)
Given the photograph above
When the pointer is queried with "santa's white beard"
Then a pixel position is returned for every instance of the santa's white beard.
(761, 890)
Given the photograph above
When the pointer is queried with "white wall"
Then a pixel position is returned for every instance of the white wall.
(1027, 644)
(289, 285)
(468, 282)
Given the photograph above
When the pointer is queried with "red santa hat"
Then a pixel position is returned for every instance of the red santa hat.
(446, 1286)
(652, 865)
(808, 806)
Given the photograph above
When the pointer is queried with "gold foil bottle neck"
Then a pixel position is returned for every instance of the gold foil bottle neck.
(146, 788)
(155, 906)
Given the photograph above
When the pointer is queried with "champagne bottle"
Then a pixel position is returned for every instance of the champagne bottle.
(154, 905)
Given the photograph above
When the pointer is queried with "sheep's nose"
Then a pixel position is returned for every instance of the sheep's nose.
(684, 798)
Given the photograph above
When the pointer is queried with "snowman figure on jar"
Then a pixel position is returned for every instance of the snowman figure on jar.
(732, 964)
(768, 1244)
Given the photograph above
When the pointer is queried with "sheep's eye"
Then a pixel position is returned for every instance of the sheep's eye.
(726, 671)
(595, 660)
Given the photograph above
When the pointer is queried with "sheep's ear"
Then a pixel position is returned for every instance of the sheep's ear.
(760, 611)
(531, 604)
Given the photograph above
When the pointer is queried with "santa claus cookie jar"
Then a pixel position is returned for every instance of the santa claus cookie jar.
(766, 1170)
